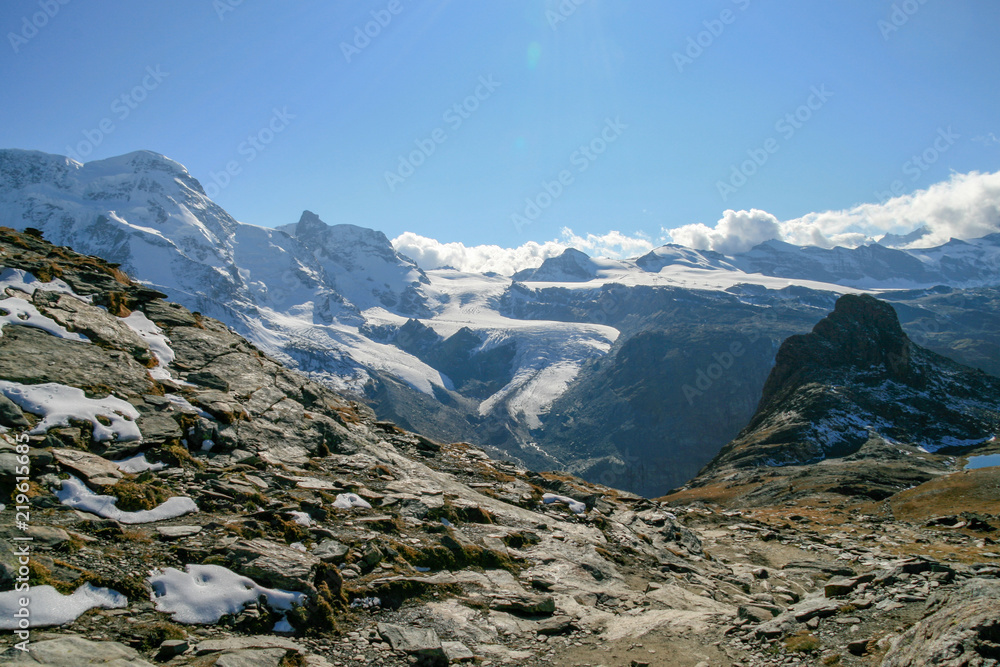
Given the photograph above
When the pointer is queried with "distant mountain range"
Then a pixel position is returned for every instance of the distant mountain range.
(630, 372)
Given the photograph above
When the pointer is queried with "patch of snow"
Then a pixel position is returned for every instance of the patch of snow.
(138, 463)
(205, 593)
(185, 406)
(346, 501)
(14, 310)
(48, 606)
(207, 444)
(158, 343)
(75, 494)
(952, 441)
(574, 505)
(57, 404)
(25, 282)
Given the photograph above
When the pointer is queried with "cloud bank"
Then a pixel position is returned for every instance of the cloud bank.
(965, 206)
(432, 254)
(737, 231)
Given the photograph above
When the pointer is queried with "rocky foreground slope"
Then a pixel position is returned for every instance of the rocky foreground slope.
(269, 521)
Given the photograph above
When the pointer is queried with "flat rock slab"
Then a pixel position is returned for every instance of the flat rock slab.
(274, 564)
(48, 536)
(457, 652)
(541, 605)
(420, 641)
(177, 532)
(312, 483)
(240, 643)
(331, 550)
(95, 470)
(74, 651)
(254, 657)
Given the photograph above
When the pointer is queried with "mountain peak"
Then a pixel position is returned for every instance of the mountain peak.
(571, 265)
(309, 223)
(900, 240)
(867, 331)
(857, 379)
(861, 333)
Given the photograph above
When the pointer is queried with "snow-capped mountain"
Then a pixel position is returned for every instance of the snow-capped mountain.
(512, 363)
(326, 299)
(870, 267)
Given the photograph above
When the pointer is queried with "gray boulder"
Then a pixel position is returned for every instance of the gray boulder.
(273, 564)
(962, 631)
(93, 469)
(423, 643)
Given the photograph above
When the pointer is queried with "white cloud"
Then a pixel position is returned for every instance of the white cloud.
(965, 206)
(431, 254)
(613, 244)
(737, 231)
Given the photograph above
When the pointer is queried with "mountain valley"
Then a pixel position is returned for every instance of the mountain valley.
(631, 372)
(193, 502)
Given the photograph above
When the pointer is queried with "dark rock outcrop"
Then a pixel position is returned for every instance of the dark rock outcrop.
(857, 379)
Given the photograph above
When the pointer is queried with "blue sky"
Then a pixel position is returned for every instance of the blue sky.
(871, 89)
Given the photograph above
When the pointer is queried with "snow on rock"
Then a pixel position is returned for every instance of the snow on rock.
(301, 518)
(47, 606)
(14, 310)
(158, 343)
(574, 505)
(348, 500)
(75, 494)
(138, 463)
(184, 405)
(205, 593)
(25, 282)
(57, 404)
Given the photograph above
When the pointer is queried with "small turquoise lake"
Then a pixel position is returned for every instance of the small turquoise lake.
(985, 461)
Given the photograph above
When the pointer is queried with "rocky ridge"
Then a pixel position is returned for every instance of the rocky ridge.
(857, 406)
(407, 550)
